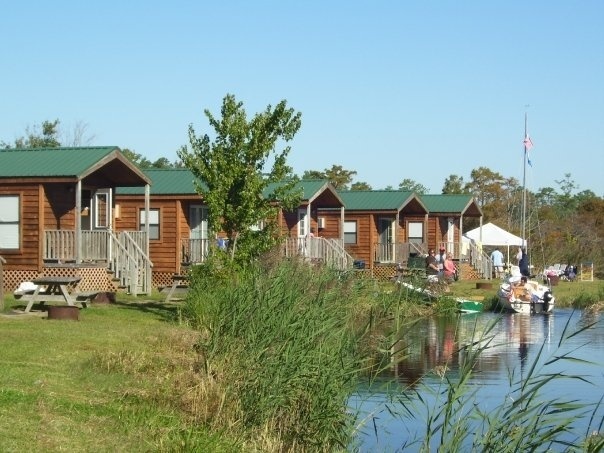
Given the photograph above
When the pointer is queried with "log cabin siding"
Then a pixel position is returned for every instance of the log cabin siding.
(164, 252)
(59, 207)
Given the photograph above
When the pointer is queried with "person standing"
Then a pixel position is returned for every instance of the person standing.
(440, 260)
(431, 264)
(523, 264)
(449, 268)
(497, 259)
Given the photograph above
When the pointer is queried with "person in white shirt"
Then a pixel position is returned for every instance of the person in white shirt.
(497, 259)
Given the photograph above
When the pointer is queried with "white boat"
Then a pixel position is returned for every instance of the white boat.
(531, 298)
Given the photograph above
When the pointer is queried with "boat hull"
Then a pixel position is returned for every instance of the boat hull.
(469, 306)
(535, 299)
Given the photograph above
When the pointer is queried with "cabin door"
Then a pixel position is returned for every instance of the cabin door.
(100, 215)
(198, 225)
(303, 223)
(387, 245)
(86, 214)
(451, 236)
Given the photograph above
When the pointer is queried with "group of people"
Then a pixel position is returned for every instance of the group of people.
(441, 265)
(521, 257)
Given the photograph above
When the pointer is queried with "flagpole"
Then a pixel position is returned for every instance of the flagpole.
(524, 182)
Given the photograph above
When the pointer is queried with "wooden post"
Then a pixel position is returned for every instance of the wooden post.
(2, 262)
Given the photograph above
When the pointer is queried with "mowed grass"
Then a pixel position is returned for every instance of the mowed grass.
(112, 381)
(575, 294)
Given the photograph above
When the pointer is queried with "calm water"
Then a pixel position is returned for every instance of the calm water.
(432, 344)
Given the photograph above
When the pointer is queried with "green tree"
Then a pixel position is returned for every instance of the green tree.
(336, 175)
(412, 186)
(454, 185)
(137, 159)
(44, 136)
(360, 186)
(233, 170)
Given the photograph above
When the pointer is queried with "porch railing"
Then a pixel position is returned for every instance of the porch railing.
(328, 251)
(194, 251)
(479, 260)
(397, 253)
(123, 253)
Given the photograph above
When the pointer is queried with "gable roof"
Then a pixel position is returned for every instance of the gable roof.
(165, 181)
(311, 190)
(73, 162)
(379, 200)
(452, 203)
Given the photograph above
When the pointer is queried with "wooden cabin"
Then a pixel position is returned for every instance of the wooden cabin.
(178, 221)
(178, 227)
(310, 233)
(383, 227)
(57, 218)
(446, 227)
(446, 220)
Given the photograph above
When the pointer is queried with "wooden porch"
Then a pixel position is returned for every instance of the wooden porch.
(124, 254)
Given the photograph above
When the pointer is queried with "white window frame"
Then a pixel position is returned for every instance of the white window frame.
(10, 224)
(413, 228)
(350, 232)
(154, 224)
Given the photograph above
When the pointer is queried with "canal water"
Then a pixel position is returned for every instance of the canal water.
(392, 409)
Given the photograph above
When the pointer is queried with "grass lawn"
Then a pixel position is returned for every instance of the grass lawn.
(125, 376)
(103, 383)
(568, 294)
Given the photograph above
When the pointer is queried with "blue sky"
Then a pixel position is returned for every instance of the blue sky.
(389, 89)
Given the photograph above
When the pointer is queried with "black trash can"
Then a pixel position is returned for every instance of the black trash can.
(358, 264)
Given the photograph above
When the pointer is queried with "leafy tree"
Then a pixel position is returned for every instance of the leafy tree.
(233, 170)
(314, 174)
(46, 136)
(336, 175)
(360, 186)
(454, 185)
(412, 186)
(137, 159)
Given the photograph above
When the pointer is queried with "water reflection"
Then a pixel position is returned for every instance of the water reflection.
(432, 348)
(437, 345)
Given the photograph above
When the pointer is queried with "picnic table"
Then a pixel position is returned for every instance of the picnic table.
(56, 289)
(178, 281)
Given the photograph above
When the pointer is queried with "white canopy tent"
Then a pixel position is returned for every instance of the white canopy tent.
(492, 235)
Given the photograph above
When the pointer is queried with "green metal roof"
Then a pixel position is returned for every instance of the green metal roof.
(311, 188)
(375, 200)
(165, 181)
(454, 203)
(51, 162)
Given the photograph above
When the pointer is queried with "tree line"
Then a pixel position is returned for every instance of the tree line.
(564, 224)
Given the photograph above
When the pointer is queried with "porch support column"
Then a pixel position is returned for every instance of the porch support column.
(147, 206)
(147, 266)
(308, 216)
(397, 219)
(427, 239)
(78, 222)
(342, 224)
(459, 247)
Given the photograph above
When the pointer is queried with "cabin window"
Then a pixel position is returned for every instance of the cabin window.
(350, 232)
(9, 222)
(416, 232)
(153, 222)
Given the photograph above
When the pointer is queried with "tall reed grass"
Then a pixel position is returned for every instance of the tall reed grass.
(280, 342)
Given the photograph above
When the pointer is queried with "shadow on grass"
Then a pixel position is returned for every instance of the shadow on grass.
(166, 311)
